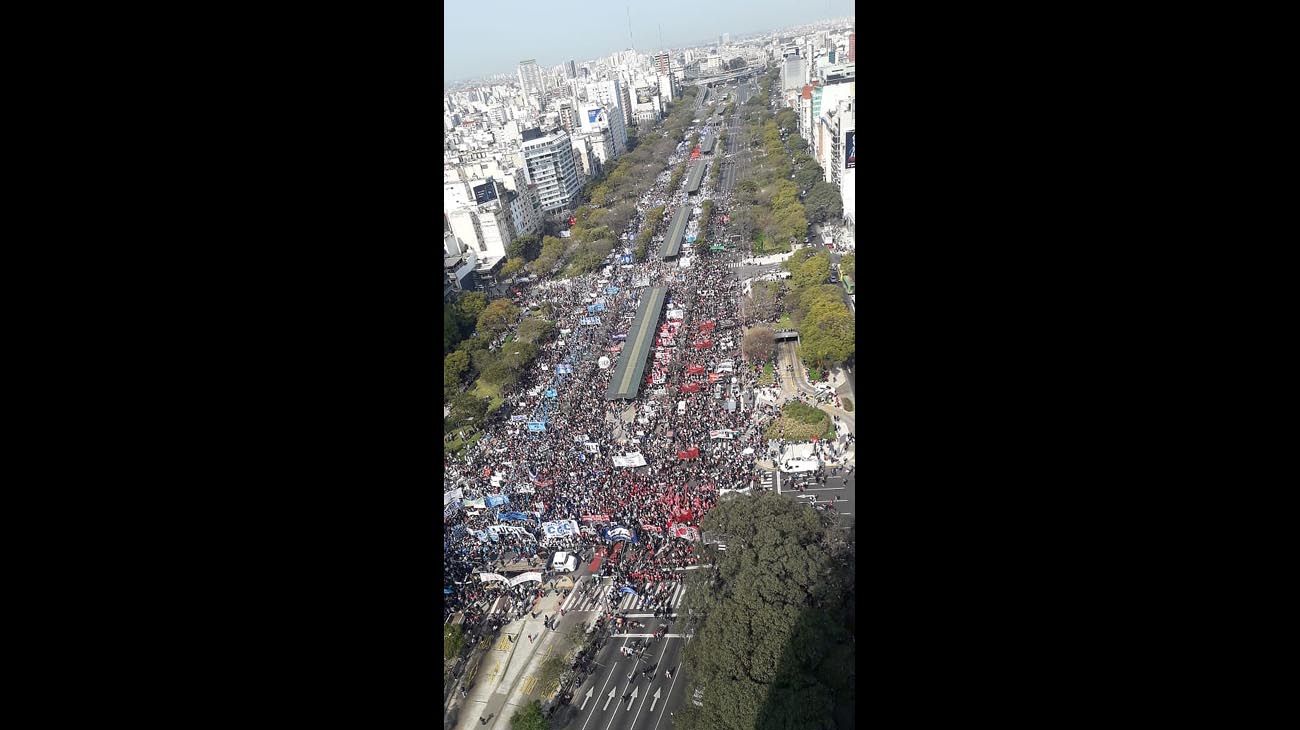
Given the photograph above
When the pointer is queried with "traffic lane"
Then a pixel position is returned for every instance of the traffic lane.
(605, 670)
(603, 694)
(647, 709)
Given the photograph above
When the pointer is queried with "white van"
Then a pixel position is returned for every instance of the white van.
(564, 562)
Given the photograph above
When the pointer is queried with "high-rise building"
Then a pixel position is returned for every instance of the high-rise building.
(726, 38)
(548, 159)
(571, 70)
(530, 76)
(853, 44)
(598, 116)
(661, 63)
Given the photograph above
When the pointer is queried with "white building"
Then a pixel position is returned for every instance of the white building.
(549, 162)
(530, 77)
(600, 117)
(667, 92)
(485, 229)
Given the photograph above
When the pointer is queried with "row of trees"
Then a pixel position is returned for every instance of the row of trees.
(817, 309)
(611, 205)
(774, 647)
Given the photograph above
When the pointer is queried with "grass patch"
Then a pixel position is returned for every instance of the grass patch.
(801, 422)
(453, 639)
(456, 445)
(814, 374)
(548, 676)
(767, 378)
(484, 389)
(784, 323)
(848, 403)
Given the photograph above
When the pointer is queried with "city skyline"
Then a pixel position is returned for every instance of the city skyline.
(580, 31)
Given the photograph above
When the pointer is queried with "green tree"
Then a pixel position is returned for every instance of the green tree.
(823, 202)
(470, 306)
(534, 330)
(826, 335)
(529, 717)
(452, 330)
(499, 316)
(813, 272)
(774, 620)
(454, 367)
(847, 263)
(511, 267)
(524, 247)
(466, 410)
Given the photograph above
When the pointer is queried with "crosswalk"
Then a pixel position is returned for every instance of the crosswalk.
(769, 479)
(596, 598)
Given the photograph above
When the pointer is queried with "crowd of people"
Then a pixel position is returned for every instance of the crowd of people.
(548, 455)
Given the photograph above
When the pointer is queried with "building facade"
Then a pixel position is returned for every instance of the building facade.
(548, 160)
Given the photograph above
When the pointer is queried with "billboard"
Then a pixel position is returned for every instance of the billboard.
(485, 192)
(593, 115)
(644, 96)
(850, 149)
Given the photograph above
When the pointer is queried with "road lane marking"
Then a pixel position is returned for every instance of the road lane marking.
(612, 669)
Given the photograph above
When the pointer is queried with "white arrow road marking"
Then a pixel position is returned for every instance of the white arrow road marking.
(635, 691)
(590, 691)
(656, 700)
(609, 699)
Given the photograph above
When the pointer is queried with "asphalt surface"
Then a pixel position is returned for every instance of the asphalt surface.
(606, 699)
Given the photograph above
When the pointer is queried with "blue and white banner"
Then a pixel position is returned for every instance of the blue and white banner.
(593, 308)
(611, 290)
(518, 419)
(628, 589)
(485, 536)
(496, 500)
(563, 369)
(589, 321)
(537, 426)
(474, 503)
(560, 528)
(616, 534)
(515, 517)
(550, 393)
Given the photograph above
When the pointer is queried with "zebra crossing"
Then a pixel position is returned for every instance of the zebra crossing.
(595, 597)
(769, 479)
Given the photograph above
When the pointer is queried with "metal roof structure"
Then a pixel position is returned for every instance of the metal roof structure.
(636, 351)
(673, 242)
(695, 176)
(708, 144)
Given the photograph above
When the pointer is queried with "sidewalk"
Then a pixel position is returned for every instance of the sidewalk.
(504, 677)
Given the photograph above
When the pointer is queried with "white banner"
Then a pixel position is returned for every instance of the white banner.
(591, 448)
(452, 496)
(509, 530)
(525, 489)
(631, 460)
(580, 438)
(485, 577)
(525, 577)
(725, 433)
(560, 528)
(683, 531)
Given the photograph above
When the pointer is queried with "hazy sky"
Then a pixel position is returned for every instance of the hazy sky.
(482, 38)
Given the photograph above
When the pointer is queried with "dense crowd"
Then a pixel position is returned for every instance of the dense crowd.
(697, 425)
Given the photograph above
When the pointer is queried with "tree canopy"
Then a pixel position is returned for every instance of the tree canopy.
(771, 648)
(497, 317)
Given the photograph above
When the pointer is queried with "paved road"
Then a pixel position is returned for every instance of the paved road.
(607, 700)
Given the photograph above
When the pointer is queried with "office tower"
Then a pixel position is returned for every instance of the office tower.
(853, 38)
(570, 70)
